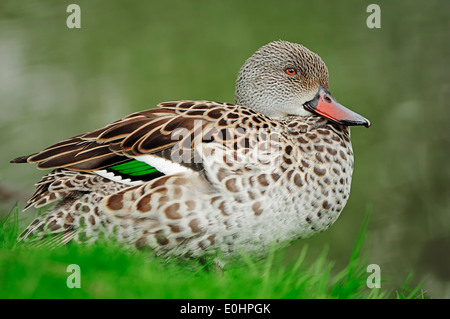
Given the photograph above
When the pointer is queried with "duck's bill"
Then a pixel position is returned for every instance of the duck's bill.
(325, 104)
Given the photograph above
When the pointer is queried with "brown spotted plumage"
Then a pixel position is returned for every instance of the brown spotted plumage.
(196, 178)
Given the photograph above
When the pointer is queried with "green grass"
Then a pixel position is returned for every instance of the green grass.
(111, 271)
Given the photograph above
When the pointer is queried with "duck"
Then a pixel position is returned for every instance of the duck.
(197, 178)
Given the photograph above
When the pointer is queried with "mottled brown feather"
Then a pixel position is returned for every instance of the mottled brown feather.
(121, 130)
(147, 132)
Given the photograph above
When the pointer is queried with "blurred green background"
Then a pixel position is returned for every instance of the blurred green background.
(57, 82)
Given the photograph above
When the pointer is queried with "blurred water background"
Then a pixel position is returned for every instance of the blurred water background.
(57, 82)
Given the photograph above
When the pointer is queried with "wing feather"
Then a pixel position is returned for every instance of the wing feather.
(148, 132)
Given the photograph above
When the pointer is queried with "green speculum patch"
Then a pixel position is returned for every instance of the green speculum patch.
(133, 168)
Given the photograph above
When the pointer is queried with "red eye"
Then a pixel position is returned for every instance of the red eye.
(291, 71)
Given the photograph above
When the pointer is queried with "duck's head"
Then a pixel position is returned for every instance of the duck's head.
(283, 79)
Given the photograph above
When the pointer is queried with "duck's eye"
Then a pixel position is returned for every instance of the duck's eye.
(291, 71)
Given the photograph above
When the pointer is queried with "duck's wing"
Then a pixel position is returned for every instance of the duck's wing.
(151, 132)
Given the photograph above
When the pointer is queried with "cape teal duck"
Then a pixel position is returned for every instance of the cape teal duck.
(197, 178)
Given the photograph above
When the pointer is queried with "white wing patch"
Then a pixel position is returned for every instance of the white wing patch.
(161, 164)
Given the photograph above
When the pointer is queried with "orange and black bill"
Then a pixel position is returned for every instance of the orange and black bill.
(325, 104)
